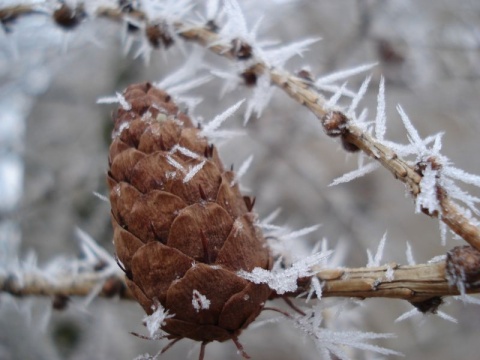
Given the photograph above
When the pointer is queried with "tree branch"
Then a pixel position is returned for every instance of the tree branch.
(414, 283)
(84, 284)
(302, 92)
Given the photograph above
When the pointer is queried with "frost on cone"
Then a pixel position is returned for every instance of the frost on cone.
(181, 229)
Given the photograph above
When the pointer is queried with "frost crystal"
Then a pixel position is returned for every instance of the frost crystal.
(355, 173)
(242, 170)
(330, 342)
(199, 301)
(409, 254)
(342, 75)
(115, 99)
(375, 261)
(358, 97)
(260, 98)
(381, 118)
(277, 57)
(427, 199)
(193, 171)
(283, 281)
(210, 130)
(156, 320)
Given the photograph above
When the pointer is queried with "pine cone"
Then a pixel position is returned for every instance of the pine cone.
(181, 227)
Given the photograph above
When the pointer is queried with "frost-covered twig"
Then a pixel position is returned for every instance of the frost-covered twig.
(37, 284)
(414, 283)
(301, 90)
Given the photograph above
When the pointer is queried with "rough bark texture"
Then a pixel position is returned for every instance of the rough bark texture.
(177, 234)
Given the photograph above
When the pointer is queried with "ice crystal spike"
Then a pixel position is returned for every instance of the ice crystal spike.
(181, 227)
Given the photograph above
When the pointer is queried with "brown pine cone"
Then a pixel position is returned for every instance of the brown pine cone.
(182, 230)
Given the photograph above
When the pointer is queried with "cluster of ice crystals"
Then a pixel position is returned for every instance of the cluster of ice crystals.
(199, 301)
(331, 343)
(156, 320)
(285, 280)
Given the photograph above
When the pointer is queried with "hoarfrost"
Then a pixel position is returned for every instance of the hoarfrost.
(199, 301)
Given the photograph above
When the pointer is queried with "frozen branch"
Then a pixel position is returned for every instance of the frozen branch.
(414, 283)
(37, 284)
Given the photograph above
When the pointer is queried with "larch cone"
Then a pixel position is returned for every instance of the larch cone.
(182, 229)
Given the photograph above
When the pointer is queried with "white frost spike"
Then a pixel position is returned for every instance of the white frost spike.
(283, 281)
(212, 9)
(271, 217)
(355, 173)
(301, 232)
(408, 314)
(243, 169)
(414, 138)
(409, 254)
(189, 85)
(375, 261)
(185, 78)
(278, 57)
(414, 312)
(315, 288)
(468, 299)
(260, 98)
(236, 24)
(344, 74)
(427, 198)
(155, 321)
(462, 176)
(447, 317)
(93, 251)
(358, 97)
(175, 163)
(210, 128)
(101, 197)
(443, 232)
(193, 171)
(336, 96)
(330, 342)
(116, 99)
(381, 118)
(184, 151)
(199, 301)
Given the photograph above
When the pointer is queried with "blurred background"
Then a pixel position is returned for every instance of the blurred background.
(54, 141)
